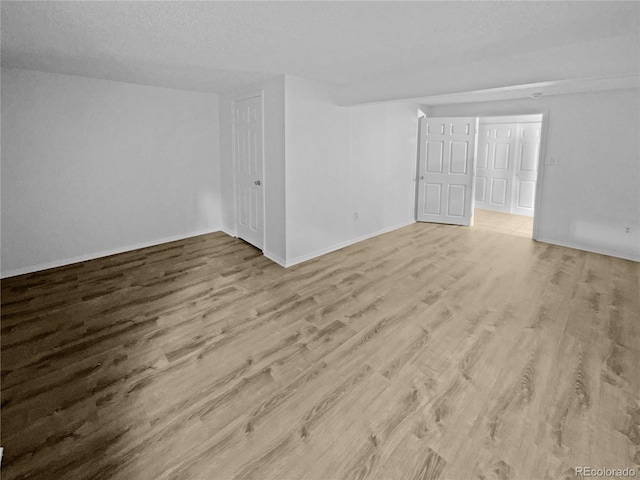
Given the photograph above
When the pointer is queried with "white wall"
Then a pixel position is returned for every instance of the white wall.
(92, 167)
(274, 164)
(323, 163)
(317, 168)
(383, 155)
(592, 195)
(343, 160)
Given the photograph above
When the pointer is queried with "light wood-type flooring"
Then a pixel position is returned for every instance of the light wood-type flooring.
(499, 222)
(431, 352)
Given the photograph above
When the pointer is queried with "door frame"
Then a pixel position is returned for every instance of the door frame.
(528, 118)
(543, 115)
(540, 174)
(239, 98)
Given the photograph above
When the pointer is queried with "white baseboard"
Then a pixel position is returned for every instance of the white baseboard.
(333, 248)
(275, 258)
(271, 256)
(105, 253)
(229, 232)
(589, 248)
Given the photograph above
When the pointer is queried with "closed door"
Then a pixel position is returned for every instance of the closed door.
(495, 166)
(248, 160)
(526, 168)
(446, 170)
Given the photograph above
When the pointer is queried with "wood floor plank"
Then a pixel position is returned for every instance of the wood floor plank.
(431, 352)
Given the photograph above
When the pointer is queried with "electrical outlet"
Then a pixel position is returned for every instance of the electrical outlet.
(627, 229)
(551, 161)
(355, 215)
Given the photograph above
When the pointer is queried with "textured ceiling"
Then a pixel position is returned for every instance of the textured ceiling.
(433, 47)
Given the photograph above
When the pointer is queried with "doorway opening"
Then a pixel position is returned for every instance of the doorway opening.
(480, 171)
(506, 173)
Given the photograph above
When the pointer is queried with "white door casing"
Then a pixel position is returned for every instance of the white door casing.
(446, 170)
(248, 156)
(526, 168)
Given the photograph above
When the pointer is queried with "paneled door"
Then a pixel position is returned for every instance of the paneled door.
(248, 159)
(507, 166)
(445, 174)
(526, 168)
(494, 167)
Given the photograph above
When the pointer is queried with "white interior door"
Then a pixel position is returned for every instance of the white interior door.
(248, 160)
(526, 168)
(445, 174)
(495, 166)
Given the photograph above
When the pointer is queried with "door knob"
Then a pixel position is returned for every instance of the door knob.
(422, 177)
(257, 182)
